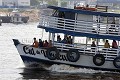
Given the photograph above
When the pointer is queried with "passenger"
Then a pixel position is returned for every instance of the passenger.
(93, 45)
(35, 43)
(65, 40)
(69, 40)
(50, 43)
(87, 5)
(114, 44)
(40, 43)
(58, 38)
(106, 45)
(45, 44)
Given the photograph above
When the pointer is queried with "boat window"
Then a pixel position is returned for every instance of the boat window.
(59, 14)
(55, 13)
(69, 15)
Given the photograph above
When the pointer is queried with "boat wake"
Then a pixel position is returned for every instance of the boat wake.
(70, 69)
(64, 68)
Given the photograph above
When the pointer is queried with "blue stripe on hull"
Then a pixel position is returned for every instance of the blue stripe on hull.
(30, 59)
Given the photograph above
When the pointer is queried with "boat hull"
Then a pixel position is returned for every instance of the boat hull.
(39, 55)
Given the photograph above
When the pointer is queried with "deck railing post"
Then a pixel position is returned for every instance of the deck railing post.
(119, 27)
(64, 23)
(75, 20)
(98, 24)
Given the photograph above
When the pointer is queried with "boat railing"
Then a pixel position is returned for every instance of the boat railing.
(109, 53)
(79, 25)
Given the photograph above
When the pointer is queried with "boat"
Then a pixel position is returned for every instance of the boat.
(76, 23)
(17, 18)
(14, 17)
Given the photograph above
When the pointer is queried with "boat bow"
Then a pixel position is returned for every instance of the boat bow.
(16, 42)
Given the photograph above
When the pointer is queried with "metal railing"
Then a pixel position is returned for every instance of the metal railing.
(109, 53)
(79, 26)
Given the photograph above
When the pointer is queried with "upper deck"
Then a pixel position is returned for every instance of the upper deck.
(87, 23)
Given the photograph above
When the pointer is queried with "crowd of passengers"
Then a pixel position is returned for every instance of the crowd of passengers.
(41, 43)
(106, 45)
(68, 40)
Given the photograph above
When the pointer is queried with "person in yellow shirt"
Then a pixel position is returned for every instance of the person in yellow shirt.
(106, 45)
(35, 43)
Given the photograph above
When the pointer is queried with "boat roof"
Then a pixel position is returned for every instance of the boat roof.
(86, 12)
(96, 36)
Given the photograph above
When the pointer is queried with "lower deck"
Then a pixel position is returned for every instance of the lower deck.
(109, 53)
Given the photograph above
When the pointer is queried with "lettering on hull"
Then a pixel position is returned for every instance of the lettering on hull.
(31, 51)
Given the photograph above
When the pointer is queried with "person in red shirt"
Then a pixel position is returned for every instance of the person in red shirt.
(114, 44)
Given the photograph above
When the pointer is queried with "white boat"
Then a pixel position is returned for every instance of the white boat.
(76, 22)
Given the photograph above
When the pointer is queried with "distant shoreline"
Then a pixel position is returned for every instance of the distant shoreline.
(32, 13)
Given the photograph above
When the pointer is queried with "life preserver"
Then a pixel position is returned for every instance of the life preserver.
(98, 59)
(73, 55)
(52, 53)
(115, 62)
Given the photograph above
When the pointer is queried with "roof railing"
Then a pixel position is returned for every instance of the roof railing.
(80, 26)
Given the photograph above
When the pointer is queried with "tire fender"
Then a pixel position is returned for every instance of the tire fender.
(73, 55)
(98, 59)
(115, 61)
(52, 53)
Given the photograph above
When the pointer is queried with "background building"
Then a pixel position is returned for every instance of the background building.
(23, 3)
(14, 3)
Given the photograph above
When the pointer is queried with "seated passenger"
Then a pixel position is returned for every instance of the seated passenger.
(65, 40)
(45, 44)
(87, 5)
(40, 43)
(114, 44)
(106, 45)
(58, 38)
(35, 43)
(93, 45)
(50, 43)
(69, 40)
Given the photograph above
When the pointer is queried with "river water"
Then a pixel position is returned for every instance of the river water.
(12, 67)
